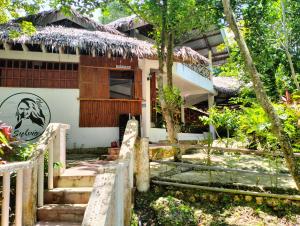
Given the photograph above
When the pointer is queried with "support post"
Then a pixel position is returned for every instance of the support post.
(143, 166)
(211, 98)
(19, 198)
(211, 101)
(50, 165)
(29, 196)
(41, 181)
(5, 199)
(146, 105)
(59, 151)
(182, 115)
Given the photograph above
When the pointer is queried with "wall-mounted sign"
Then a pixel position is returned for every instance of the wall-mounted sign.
(27, 113)
(123, 66)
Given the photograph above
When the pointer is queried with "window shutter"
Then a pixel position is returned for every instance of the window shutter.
(94, 83)
(138, 94)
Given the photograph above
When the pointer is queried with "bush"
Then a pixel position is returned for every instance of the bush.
(171, 211)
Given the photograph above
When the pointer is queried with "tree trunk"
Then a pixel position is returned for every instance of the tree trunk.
(262, 97)
(294, 76)
(170, 51)
(167, 115)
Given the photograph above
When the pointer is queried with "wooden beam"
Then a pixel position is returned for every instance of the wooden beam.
(93, 52)
(77, 51)
(44, 49)
(60, 50)
(7, 46)
(225, 190)
(211, 46)
(38, 56)
(24, 47)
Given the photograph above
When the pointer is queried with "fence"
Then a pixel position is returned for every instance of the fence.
(30, 176)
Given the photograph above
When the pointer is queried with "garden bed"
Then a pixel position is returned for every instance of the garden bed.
(214, 208)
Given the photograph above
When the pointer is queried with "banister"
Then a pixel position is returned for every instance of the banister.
(54, 132)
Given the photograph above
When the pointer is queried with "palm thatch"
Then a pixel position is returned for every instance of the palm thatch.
(58, 17)
(101, 42)
(126, 23)
(228, 86)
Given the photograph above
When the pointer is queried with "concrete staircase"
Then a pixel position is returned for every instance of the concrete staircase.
(65, 204)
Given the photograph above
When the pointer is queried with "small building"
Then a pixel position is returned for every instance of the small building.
(76, 71)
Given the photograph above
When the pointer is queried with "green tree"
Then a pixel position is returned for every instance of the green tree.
(112, 12)
(277, 125)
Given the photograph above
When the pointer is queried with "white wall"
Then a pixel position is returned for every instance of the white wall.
(64, 108)
(157, 134)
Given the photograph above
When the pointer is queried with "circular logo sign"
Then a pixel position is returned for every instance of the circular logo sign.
(27, 113)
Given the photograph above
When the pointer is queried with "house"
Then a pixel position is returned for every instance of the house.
(79, 72)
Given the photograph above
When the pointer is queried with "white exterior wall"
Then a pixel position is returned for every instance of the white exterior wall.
(157, 134)
(64, 108)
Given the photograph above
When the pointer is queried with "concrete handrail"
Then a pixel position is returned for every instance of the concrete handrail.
(53, 141)
(110, 201)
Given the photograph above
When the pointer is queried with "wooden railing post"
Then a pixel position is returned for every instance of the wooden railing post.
(50, 165)
(29, 195)
(5, 199)
(59, 150)
(41, 181)
(143, 166)
(19, 198)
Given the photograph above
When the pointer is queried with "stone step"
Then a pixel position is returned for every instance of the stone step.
(75, 181)
(49, 223)
(61, 212)
(74, 195)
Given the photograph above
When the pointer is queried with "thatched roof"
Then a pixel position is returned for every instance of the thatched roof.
(228, 86)
(70, 19)
(102, 42)
(127, 23)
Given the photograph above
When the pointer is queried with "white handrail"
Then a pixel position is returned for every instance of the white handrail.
(110, 201)
(54, 133)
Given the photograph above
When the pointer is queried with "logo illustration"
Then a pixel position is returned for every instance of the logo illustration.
(27, 113)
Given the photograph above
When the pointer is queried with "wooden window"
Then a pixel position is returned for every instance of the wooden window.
(121, 84)
(38, 74)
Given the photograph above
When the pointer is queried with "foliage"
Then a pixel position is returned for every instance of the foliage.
(112, 12)
(171, 211)
(219, 118)
(15, 8)
(255, 126)
(261, 23)
(173, 99)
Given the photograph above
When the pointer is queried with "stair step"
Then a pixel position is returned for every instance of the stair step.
(109, 157)
(61, 212)
(51, 223)
(74, 195)
(75, 181)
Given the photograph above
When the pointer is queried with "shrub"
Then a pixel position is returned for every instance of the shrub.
(171, 211)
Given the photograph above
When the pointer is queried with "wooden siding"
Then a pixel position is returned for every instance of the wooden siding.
(96, 109)
(15, 73)
(138, 94)
(113, 62)
(105, 112)
(94, 83)
(153, 95)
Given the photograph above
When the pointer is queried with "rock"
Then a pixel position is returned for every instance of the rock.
(248, 198)
(259, 200)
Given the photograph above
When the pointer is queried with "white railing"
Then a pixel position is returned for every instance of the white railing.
(110, 201)
(30, 175)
